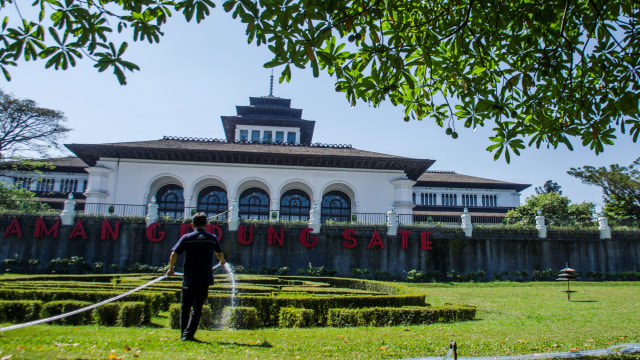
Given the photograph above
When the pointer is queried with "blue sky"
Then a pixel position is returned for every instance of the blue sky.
(199, 72)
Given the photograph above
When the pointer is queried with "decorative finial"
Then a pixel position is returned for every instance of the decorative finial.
(271, 85)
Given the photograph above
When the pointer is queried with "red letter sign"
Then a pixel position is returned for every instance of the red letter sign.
(272, 236)
(185, 229)
(242, 235)
(215, 229)
(405, 238)
(107, 232)
(375, 240)
(13, 228)
(153, 234)
(41, 229)
(349, 234)
(425, 243)
(306, 239)
(78, 230)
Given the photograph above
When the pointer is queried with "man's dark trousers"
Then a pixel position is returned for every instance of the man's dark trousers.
(193, 297)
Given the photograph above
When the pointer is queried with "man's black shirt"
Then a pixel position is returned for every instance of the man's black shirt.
(199, 248)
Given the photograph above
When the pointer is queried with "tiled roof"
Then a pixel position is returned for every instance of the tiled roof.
(219, 151)
(63, 164)
(452, 180)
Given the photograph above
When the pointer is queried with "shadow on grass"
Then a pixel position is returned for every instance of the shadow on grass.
(264, 344)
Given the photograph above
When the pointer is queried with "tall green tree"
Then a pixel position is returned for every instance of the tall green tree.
(620, 187)
(549, 187)
(557, 209)
(26, 127)
(540, 73)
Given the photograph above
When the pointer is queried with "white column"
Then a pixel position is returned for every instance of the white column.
(466, 225)
(403, 202)
(69, 212)
(233, 220)
(392, 222)
(314, 218)
(540, 225)
(152, 212)
(603, 226)
(275, 208)
(97, 189)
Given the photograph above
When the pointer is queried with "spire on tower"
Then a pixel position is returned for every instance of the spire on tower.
(271, 85)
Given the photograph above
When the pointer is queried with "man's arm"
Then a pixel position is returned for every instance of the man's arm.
(220, 257)
(172, 262)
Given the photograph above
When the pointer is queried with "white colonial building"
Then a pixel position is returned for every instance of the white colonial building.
(269, 167)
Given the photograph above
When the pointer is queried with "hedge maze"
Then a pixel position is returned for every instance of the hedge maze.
(258, 301)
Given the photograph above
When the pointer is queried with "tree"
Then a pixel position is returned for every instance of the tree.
(26, 127)
(557, 209)
(542, 73)
(620, 187)
(549, 187)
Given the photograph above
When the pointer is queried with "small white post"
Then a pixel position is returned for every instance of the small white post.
(392, 222)
(69, 212)
(314, 219)
(233, 219)
(466, 225)
(540, 225)
(152, 212)
(603, 226)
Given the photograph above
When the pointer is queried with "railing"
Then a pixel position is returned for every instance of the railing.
(502, 221)
(369, 218)
(49, 207)
(114, 209)
(212, 215)
(429, 220)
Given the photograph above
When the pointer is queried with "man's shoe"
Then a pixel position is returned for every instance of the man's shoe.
(189, 338)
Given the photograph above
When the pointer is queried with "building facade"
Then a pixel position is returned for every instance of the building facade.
(270, 168)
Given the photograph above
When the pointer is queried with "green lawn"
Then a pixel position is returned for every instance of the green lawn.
(512, 318)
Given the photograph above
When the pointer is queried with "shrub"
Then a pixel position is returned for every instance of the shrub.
(412, 315)
(295, 317)
(207, 320)
(132, 314)
(241, 317)
(18, 311)
(54, 308)
(107, 314)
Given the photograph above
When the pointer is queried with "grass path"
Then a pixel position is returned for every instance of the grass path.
(512, 318)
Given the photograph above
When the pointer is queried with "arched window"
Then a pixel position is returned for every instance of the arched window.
(336, 206)
(295, 205)
(170, 201)
(212, 201)
(254, 204)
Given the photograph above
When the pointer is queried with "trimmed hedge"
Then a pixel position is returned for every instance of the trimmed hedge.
(240, 317)
(133, 314)
(399, 316)
(154, 301)
(107, 314)
(268, 308)
(54, 308)
(207, 320)
(19, 311)
(295, 318)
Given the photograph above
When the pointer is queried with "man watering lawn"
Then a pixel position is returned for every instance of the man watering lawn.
(199, 247)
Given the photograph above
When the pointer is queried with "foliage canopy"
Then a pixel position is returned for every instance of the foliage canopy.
(26, 127)
(554, 207)
(540, 73)
(620, 186)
